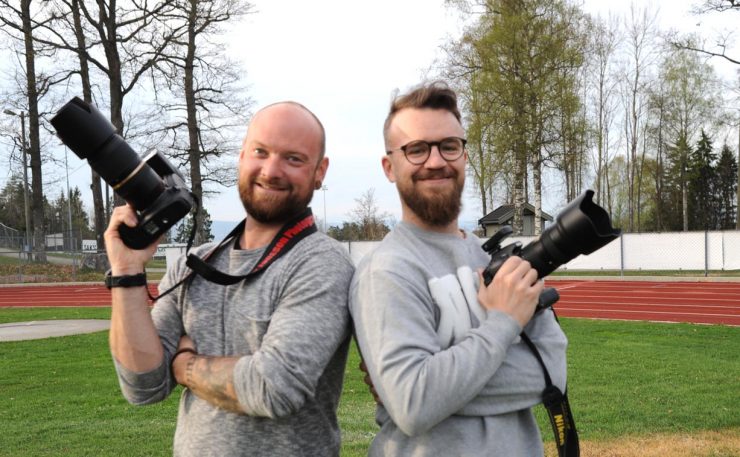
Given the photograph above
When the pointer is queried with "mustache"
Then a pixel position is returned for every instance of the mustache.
(434, 174)
(273, 183)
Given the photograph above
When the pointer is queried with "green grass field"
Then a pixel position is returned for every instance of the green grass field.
(59, 396)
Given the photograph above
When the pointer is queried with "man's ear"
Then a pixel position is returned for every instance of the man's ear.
(321, 172)
(388, 168)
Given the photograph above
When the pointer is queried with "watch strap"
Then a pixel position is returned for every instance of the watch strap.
(136, 280)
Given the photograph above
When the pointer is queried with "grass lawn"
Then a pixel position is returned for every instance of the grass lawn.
(629, 383)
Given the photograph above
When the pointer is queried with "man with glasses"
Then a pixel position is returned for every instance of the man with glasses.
(443, 351)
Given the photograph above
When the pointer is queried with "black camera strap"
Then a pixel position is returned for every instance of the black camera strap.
(558, 409)
(289, 235)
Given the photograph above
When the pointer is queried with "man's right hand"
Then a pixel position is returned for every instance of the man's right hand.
(514, 290)
(124, 260)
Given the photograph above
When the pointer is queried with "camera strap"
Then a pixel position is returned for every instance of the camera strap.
(289, 235)
(558, 409)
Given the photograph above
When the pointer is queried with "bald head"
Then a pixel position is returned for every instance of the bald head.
(290, 111)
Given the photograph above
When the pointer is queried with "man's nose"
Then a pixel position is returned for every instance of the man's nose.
(271, 166)
(435, 159)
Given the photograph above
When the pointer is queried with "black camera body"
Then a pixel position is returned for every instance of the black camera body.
(581, 228)
(153, 187)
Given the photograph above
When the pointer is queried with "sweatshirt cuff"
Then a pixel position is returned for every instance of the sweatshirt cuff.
(502, 328)
(149, 380)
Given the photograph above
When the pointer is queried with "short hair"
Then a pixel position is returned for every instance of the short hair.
(322, 138)
(433, 95)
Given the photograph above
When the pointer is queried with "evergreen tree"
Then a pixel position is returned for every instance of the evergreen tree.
(182, 234)
(726, 189)
(12, 212)
(349, 231)
(673, 184)
(701, 202)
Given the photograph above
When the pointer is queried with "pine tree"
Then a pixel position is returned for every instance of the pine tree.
(182, 234)
(701, 176)
(726, 189)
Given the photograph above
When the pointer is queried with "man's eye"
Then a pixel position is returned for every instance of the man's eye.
(259, 152)
(416, 149)
(296, 159)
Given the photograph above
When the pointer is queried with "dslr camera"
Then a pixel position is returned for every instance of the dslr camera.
(581, 228)
(152, 186)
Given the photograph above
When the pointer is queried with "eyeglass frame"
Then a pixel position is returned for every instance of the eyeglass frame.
(430, 144)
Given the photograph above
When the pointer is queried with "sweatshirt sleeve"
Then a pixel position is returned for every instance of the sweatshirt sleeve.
(156, 385)
(419, 383)
(308, 326)
(520, 380)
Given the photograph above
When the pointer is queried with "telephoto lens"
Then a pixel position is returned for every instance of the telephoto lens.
(91, 136)
(581, 228)
(153, 187)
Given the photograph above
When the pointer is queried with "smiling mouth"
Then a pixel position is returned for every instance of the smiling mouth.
(271, 187)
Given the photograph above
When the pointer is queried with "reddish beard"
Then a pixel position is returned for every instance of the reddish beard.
(441, 206)
(272, 209)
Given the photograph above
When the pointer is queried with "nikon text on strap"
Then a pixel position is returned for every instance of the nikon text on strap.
(558, 409)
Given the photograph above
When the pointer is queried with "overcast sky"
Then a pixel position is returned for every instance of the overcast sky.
(343, 59)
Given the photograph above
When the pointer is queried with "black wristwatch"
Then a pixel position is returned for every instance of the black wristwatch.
(124, 280)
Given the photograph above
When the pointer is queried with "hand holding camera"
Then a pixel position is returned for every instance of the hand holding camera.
(581, 228)
(123, 259)
(515, 290)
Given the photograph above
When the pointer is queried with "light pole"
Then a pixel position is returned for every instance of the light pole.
(69, 205)
(324, 189)
(26, 203)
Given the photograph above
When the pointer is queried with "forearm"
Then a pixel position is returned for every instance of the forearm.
(134, 340)
(209, 378)
(407, 379)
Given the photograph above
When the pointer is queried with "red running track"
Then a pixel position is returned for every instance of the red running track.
(58, 295)
(697, 302)
(666, 301)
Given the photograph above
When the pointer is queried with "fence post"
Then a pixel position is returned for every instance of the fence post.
(706, 253)
(621, 254)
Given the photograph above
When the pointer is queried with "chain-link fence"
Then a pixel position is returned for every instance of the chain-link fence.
(710, 253)
(65, 256)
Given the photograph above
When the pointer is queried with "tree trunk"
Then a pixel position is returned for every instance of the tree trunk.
(97, 192)
(537, 182)
(107, 17)
(519, 178)
(37, 193)
(196, 178)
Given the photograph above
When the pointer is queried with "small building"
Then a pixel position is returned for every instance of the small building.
(504, 215)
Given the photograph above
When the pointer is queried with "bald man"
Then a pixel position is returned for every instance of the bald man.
(261, 360)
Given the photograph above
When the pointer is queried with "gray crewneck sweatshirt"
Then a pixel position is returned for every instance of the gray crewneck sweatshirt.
(290, 324)
(453, 378)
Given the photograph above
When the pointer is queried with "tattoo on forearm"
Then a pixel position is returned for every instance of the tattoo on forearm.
(211, 378)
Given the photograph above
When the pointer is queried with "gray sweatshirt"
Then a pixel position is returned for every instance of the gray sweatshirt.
(453, 378)
(289, 324)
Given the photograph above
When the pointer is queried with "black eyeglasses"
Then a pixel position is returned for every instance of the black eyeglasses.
(417, 152)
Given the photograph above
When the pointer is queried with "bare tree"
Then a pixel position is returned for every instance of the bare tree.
(605, 41)
(21, 25)
(641, 28)
(372, 224)
(207, 104)
(721, 42)
(716, 5)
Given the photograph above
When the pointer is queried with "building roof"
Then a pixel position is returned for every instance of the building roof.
(504, 213)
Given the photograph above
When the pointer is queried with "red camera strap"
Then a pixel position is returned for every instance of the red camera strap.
(289, 235)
